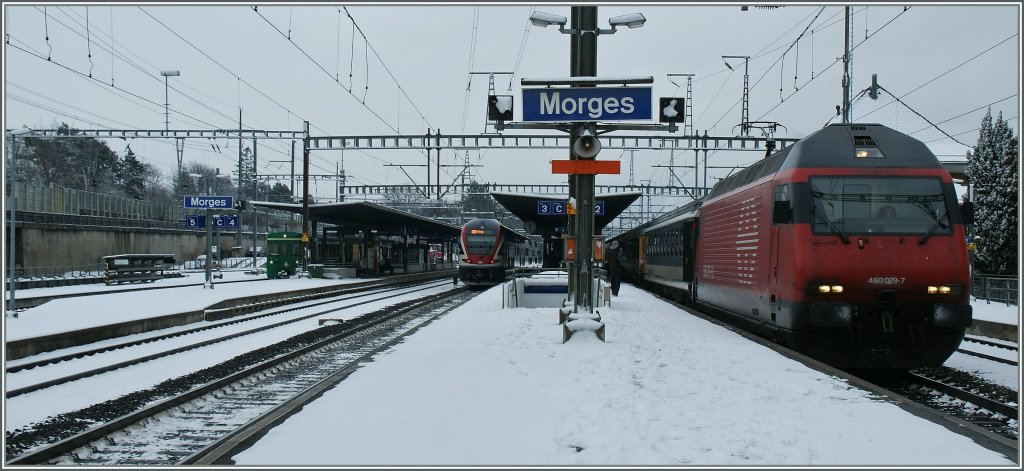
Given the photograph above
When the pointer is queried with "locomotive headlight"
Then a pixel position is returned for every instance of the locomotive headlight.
(830, 288)
(944, 289)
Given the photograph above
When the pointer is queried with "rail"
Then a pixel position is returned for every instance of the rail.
(1002, 289)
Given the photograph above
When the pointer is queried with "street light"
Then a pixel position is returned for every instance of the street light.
(12, 204)
(167, 110)
(632, 20)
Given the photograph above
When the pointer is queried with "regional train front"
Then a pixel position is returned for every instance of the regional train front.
(482, 261)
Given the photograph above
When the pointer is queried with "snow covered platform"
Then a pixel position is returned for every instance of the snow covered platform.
(489, 386)
(117, 312)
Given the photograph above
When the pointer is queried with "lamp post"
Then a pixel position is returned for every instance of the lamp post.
(167, 109)
(178, 146)
(744, 129)
(12, 205)
(583, 63)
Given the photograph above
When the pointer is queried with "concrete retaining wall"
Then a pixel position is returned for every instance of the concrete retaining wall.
(46, 245)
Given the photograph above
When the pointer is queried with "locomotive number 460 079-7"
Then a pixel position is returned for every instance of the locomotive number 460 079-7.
(886, 280)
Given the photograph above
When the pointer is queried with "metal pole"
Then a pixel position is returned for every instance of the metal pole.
(846, 71)
(12, 204)
(209, 243)
(305, 194)
(291, 215)
(587, 50)
(239, 192)
(255, 220)
(167, 109)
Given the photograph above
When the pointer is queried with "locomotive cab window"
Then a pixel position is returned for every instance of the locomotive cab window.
(782, 207)
(889, 205)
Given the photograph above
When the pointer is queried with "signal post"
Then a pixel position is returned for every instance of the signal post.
(578, 105)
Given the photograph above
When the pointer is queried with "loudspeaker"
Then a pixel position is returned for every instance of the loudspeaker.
(587, 145)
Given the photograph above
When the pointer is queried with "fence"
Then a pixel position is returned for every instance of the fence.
(61, 205)
(995, 288)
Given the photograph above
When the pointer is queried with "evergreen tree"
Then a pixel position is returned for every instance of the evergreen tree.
(993, 171)
(280, 193)
(131, 174)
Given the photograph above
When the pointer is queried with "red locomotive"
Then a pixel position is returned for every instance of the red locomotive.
(847, 246)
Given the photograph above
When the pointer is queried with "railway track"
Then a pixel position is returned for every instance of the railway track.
(943, 390)
(371, 293)
(192, 418)
(986, 356)
(961, 395)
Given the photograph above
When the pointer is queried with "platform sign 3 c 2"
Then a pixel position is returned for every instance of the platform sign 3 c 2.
(587, 104)
(559, 208)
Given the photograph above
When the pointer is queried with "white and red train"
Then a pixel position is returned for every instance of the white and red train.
(489, 248)
(847, 246)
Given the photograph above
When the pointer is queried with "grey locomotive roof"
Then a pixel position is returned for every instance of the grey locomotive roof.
(834, 146)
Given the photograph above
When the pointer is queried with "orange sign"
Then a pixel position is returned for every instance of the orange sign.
(585, 167)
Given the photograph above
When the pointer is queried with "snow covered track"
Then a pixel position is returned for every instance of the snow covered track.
(185, 415)
(372, 293)
(997, 359)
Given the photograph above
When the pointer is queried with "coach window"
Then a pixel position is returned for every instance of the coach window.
(782, 206)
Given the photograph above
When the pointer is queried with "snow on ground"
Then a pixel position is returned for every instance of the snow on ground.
(62, 315)
(486, 386)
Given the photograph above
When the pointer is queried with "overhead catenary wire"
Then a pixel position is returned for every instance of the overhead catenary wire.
(834, 62)
(945, 73)
(141, 69)
(104, 84)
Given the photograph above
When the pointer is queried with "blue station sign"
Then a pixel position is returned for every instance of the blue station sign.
(558, 208)
(225, 221)
(587, 104)
(199, 221)
(209, 202)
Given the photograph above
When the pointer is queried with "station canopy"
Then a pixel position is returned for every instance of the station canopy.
(525, 207)
(364, 215)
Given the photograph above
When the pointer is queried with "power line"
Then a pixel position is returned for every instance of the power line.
(240, 79)
(379, 59)
(97, 80)
(964, 114)
(836, 61)
(945, 73)
(89, 41)
(349, 90)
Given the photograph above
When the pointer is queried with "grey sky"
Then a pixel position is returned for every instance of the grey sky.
(918, 54)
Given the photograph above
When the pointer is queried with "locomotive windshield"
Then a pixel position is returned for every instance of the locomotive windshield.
(890, 205)
(481, 241)
(481, 236)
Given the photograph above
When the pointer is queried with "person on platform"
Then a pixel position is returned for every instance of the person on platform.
(614, 267)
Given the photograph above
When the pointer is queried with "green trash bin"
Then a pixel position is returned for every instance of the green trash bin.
(316, 270)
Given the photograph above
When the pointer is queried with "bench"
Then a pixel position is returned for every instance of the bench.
(131, 268)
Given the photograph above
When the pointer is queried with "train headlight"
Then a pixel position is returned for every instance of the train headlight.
(830, 288)
(945, 289)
